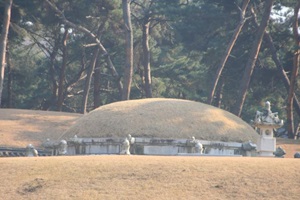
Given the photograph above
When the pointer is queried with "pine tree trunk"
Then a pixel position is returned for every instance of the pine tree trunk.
(228, 51)
(97, 76)
(279, 66)
(9, 80)
(3, 42)
(282, 72)
(88, 80)
(128, 71)
(61, 83)
(146, 58)
(297, 52)
(53, 101)
(219, 93)
(252, 59)
(294, 74)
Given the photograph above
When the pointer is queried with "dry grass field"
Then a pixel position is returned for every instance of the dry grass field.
(149, 177)
(18, 128)
(134, 177)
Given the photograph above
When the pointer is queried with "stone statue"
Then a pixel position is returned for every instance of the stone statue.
(47, 143)
(57, 147)
(279, 153)
(62, 147)
(31, 151)
(129, 140)
(76, 140)
(125, 147)
(198, 147)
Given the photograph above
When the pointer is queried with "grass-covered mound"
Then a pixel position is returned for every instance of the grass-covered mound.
(164, 118)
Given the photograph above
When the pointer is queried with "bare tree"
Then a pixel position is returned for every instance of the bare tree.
(252, 58)
(3, 42)
(129, 50)
(228, 51)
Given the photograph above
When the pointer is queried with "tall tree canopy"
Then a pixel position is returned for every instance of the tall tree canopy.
(77, 55)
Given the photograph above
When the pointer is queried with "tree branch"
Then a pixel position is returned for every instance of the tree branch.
(80, 28)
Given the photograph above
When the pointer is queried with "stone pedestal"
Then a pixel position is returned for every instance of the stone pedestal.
(266, 144)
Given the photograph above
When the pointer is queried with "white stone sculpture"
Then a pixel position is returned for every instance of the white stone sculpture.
(57, 147)
(198, 147)
(62, 147)
(129, 140)
(193, 139)
(31, 151)
(47, 143)
(125, 147)
(76, 140)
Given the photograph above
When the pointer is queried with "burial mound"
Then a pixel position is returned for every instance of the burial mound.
(162, 118)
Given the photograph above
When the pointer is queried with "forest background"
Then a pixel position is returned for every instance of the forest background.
(75, 56)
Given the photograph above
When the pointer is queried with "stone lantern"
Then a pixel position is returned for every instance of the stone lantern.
(266, 121)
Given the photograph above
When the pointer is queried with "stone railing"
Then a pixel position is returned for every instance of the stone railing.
(157, 146)
(19, 152)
